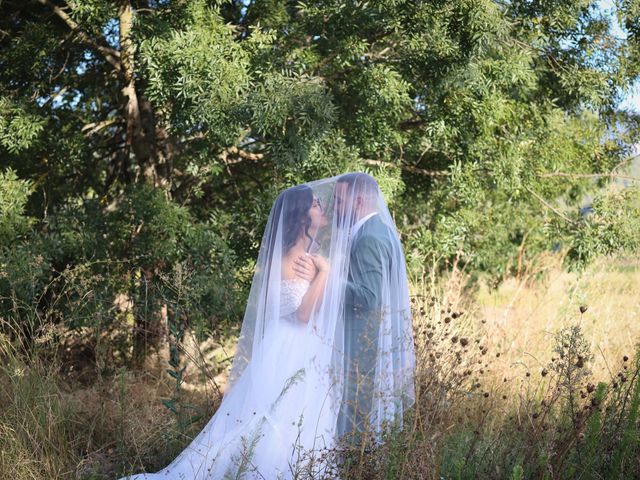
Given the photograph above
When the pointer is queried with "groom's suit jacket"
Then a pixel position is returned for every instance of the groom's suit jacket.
(371, 256)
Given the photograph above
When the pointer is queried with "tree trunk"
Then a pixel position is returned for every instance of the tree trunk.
(150, 323)
(139, 115)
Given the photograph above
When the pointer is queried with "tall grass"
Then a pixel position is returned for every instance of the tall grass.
(35, 424)
(56, 423)
(492, 405)
(514, 382)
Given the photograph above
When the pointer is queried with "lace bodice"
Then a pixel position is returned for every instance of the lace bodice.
(291, 293)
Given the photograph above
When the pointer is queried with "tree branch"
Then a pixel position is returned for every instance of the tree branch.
(111, 55)
(94, 127)
(408, 168)
(588, 175)
(240, 154)
(550, 207)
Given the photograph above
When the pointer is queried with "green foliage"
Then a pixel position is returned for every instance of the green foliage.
(19, 128)
(161, 139)
(612, 226)
(196, 76)
(90, 256)
(296, 112)
(13, 197)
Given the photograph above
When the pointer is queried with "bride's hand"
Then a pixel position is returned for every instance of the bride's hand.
(321, 263)
(305, 268)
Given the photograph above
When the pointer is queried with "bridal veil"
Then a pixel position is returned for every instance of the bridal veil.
(299, 385)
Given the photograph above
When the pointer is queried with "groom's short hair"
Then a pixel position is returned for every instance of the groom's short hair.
(362, 184)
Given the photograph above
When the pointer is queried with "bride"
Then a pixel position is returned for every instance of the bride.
(292, 373)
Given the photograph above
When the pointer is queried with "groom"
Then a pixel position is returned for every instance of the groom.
(370, 257)
(371, 250)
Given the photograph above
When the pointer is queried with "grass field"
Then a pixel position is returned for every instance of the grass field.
(522, 318)
(499, 392)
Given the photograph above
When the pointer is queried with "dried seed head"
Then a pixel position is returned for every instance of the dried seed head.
(583, 308)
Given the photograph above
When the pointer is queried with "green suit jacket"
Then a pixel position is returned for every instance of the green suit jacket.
(371, 257)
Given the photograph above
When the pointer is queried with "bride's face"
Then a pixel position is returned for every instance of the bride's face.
(316, 213)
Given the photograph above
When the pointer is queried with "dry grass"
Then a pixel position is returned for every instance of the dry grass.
(521, 317)
(485, 380)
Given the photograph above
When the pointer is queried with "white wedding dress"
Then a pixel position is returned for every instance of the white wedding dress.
(273, 423)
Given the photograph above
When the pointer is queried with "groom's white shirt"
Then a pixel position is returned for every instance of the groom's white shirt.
(359, 223)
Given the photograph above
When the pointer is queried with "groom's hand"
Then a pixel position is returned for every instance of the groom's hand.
(305, 268)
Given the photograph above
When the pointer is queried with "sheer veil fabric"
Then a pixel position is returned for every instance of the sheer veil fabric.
(326, 347)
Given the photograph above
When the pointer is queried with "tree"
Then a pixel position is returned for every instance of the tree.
(137, 122)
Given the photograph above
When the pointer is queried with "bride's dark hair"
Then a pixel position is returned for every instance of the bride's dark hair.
(293, 206)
